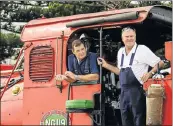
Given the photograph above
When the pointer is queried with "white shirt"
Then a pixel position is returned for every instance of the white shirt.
(144, 58)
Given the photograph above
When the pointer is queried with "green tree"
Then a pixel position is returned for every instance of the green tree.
(24, 11)
(129, 4)
(70, 8)
(8, 43)
(149, 3)
(167, 3)
(116, 4)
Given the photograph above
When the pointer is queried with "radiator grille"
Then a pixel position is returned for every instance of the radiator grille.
(41, 64)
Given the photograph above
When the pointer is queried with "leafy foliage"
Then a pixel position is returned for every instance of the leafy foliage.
(8, 43)
(24, 11)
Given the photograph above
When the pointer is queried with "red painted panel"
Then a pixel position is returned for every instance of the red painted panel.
(11, 112)
(5, 67)
(167, 105)
(38, 101)
(168, 50)
(84, 92)
(11, 108)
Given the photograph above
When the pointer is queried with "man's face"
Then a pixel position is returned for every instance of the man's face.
(80, 52)
(129, 38)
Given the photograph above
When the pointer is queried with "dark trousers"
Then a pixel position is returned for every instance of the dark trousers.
(133, 106)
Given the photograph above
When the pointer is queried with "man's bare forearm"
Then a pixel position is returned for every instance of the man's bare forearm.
(88, 77)
(70, 80)
(161, 63)
(112, 69)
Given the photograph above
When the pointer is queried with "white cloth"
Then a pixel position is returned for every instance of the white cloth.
(144, 58)
(166, 70)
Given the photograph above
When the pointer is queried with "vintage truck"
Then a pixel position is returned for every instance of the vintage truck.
(30, 95)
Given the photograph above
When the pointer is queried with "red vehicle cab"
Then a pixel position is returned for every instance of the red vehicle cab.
(41, 100)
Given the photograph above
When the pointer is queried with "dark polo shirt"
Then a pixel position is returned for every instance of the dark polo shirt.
(93, 66)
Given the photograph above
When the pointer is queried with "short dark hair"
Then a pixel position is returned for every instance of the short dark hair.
(76, 43)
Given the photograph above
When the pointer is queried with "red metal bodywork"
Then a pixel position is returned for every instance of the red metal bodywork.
(6, 67)
(38, 98)
(12, 107)
(167, 106)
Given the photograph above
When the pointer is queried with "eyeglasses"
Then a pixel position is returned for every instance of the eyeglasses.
(127, 29)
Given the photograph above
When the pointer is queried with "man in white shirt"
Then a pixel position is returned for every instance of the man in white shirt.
(133, 63)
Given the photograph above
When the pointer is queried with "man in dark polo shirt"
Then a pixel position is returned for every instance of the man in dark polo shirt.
(82, 65)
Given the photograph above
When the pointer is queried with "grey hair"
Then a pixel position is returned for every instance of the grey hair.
(128, 29)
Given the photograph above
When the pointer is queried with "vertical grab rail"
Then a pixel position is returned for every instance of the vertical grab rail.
(56, 53)
(59, 86)
(102, 98)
